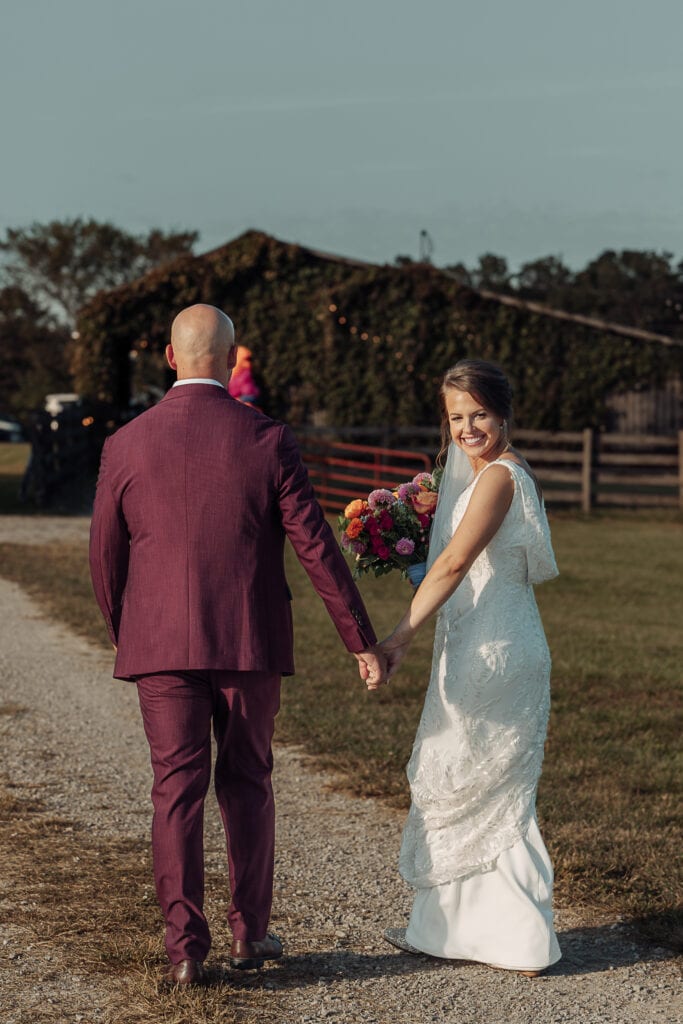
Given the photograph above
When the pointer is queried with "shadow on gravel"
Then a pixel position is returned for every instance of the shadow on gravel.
(301, 970)
(584, 951)
(605, 947)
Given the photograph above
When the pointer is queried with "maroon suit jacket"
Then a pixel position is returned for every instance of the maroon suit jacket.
(194, 500)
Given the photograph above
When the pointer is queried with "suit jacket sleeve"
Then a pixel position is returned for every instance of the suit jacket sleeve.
(317, 549)
(109, 550)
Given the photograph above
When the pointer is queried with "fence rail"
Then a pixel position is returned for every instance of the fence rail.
(340, 472)
(584, 468)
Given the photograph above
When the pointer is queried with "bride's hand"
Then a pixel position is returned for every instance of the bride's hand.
(395, 648)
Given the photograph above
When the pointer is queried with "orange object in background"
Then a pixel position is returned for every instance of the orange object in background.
(242, 385)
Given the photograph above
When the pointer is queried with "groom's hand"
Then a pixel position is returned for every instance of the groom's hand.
(372, 667)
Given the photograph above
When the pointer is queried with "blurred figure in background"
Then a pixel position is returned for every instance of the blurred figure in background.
(242, 385)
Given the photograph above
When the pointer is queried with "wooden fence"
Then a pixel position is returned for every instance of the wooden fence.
(586, 468)
(598, 470)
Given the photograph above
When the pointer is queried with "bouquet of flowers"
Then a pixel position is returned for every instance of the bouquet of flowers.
(390, 529)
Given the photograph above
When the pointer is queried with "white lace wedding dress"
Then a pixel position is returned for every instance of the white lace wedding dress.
(471, 846)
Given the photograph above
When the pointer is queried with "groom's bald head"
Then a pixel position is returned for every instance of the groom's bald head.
(202, 343)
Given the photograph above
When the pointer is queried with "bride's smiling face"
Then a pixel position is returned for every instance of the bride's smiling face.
(475, 429)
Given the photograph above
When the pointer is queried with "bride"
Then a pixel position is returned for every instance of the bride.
(471, 846)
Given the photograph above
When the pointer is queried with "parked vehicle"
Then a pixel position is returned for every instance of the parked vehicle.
(58, 401)
(11, 430)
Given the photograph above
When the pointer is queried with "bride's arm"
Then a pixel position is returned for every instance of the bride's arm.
(485, 513)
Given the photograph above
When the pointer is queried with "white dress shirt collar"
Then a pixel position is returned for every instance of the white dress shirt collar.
(199, 380)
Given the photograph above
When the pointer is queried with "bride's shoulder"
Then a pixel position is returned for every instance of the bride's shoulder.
(514, 458)
(493, 482)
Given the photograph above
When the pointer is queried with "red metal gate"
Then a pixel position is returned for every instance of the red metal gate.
(340, 472)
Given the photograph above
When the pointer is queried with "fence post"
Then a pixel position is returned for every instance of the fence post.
(680, 469)
(587, 470)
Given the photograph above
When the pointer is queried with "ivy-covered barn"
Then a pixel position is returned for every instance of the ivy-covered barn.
(342, 342)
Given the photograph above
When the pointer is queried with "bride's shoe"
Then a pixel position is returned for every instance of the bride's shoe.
(397, 937)
(513, 970)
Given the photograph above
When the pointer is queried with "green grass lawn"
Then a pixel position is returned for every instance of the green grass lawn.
(13, 459)
(609, 799)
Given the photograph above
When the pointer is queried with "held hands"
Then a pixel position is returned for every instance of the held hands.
(372, 667)
(394, 648)
(378, 664)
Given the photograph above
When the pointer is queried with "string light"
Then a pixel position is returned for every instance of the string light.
(358, 331)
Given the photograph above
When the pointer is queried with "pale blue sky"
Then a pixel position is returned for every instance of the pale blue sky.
(522, 127)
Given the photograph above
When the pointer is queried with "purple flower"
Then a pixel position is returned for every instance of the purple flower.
(380, 497)
(405, 546)
(358, 547)
(424, 478)
(345, 542)
(405, 490)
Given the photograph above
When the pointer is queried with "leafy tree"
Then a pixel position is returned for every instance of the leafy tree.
(32, 353)
(632, 287)
(461, 274)
(63, 264)
(492, 273)
(545, 280)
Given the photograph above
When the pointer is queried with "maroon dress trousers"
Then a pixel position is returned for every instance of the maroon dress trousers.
(194, 501)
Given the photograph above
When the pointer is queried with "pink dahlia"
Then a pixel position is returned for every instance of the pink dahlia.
(406, 490)
(405, 546)
(380, 497)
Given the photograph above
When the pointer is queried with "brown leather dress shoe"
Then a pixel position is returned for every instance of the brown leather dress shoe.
(187, 972)
(248, 956)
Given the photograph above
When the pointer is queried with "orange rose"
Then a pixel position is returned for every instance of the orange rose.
(354, 528)
(355, 508)
(425, 501)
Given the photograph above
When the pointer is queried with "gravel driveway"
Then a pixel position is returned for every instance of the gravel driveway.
(80, 745)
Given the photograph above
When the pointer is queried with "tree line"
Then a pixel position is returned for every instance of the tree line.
(48, 272)
(637, 288)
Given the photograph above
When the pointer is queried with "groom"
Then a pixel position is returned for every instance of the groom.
(194, 500)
